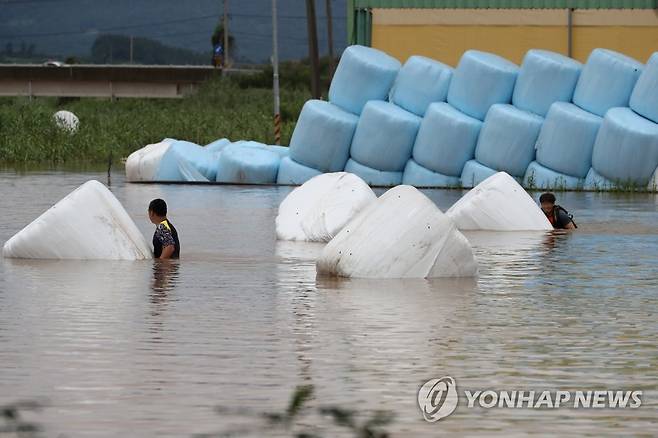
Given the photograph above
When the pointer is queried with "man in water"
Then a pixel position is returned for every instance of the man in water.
(556, 215)
(165, 238)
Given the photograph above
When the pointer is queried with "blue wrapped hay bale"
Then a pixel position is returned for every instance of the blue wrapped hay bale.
(595, 181)
(626, 148)
(474, 173)
(283, 151)
(540, 177)
(507, 139)
(362, 74)
(217, 145)
(481, 80)
(644, 99)
(420, 82)
(418, 176)
(545, 77)
(247, 165)
(566, 139)
(185, 161)
(323, 136)
(293, 173)
(384, 136)
(446, 139)
(372, 176)
(607, 81)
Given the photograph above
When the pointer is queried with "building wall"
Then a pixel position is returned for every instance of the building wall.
(444, 34)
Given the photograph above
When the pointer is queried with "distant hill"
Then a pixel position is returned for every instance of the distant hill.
(113, 49)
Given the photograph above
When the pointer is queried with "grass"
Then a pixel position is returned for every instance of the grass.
(221, 108)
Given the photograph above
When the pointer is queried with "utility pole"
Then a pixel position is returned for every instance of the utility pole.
(275, 76)
(330, 40)
(131, 49)
(313, 48)
(226, 34)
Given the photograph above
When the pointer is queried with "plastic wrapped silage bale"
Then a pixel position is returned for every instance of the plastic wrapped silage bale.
(293, 173)
(363, 74)
(247, 165)
(322, 136)
(480, 80)
(182, 156)
(66, 121)
(217, 145)
(418, 176)
(446, 139)
(566, 139)
(540, 177)
(143, 164)
(384, 136)
(372, 176)
(644, 99)
(283, 151)
(474, 173)
(545, 77)
(626, 148)
(420, 82)
(653, 182)
(507, 139)
(596, 181)
(607, 81)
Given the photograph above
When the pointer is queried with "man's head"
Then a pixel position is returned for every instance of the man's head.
(547, 202)
(157, 210)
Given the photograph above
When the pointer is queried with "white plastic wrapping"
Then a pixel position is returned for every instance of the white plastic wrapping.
(420, 82)
(247, 165)
(66, 121)
(181, 158)
(322, 136)
(89, 223)
(545, 77)
(401, 235)
(480, 80)
(143, 164)
(293, 173)
(318, 209)
(372, 176)
(540, 177)
(363, 74)
(607, 81)
(384, 136)
(653, 183)
(644, 99)
(418, 176)
(498, 203)
(446, 139)
(474, 173)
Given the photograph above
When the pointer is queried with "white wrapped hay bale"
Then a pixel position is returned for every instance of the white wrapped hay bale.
(544, 78)
(566, 139)
(363, 74)
(373, 177)
(401, 235)
(66, 121)
(644, 99)
(607, 81)
(89, 223)
(498, 203)
(446, 139)
(507, 139)
(185, 161)
(317, 210)
(480, 80)
(247, 165)
(143, 164)
(595, 181)
(626, 148)
(474, 173)
(418, 176)
(420, 82)
(540, 177)
(322, 136)
(384, 136)
(293, 173)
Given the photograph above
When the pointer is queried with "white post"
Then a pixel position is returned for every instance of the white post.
(275, 76)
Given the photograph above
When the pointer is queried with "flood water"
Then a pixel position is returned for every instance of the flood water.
(144, 349)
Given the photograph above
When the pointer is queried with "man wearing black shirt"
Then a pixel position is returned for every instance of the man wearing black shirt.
(165, 238)
(556, 215)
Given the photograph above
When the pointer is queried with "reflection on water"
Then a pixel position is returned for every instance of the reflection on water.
(150, 348)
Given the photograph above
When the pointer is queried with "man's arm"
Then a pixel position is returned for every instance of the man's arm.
(569, 226)
(167, 252)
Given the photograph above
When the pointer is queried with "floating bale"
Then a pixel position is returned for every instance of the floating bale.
(481, 80)
(66, 121)
(644, 99)
(507, 140)
(474, 173)
(540, 177)
(498, 203)
(595, 181)
(322, 136)
(446, 139)
(626, 148)
(89, 223)
(384, 136)
(362, 74)
(420, 82)
(372, 176)
(545, 77)
(185, 161)
(247, 165)
(142, 165)
(317, 210)
(293, 173)
(418, 176)
(566, 139)
(401, 235)
(607, 81)
(217, 145)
